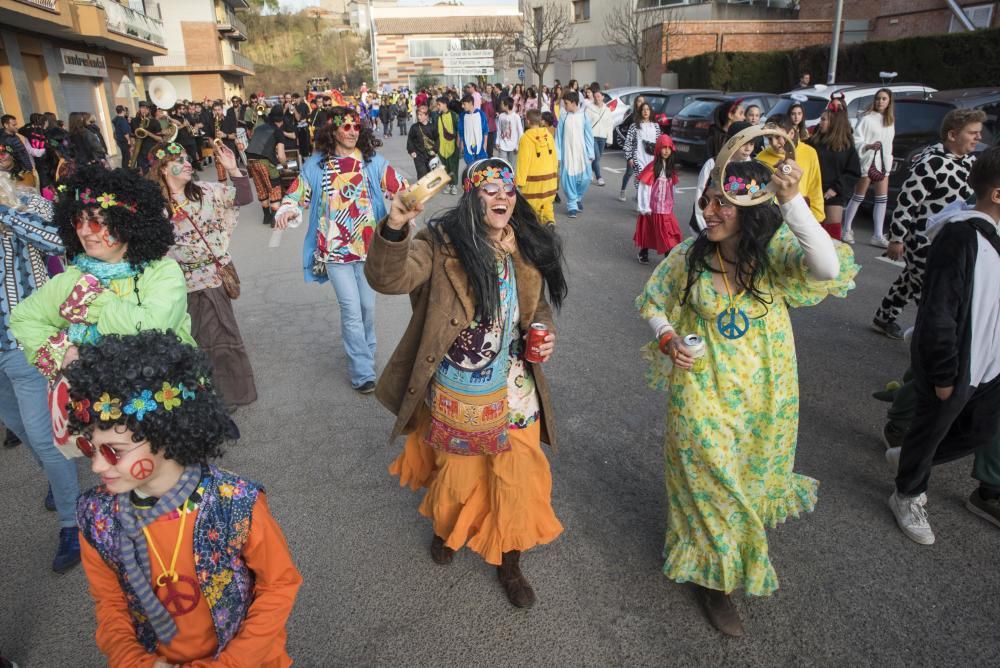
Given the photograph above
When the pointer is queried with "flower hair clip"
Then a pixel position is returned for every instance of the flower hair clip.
(172, 149)
(104, 200)
(140, 404)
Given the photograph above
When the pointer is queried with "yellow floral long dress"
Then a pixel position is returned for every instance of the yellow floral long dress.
(731, 430)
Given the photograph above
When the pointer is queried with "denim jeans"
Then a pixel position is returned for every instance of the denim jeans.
(24, 408)
(628, 174)
(357, 318)
(599, 143)
(509, 156)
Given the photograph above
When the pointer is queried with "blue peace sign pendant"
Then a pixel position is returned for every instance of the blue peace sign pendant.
(732, 323)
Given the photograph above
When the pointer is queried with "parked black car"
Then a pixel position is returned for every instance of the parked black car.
(690, 127)
(665, 106)
(918, 125)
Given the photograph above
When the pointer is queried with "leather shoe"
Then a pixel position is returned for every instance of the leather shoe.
(515, 585)
(441, 553)
(720, 610)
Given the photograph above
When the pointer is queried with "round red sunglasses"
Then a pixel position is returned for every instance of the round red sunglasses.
(86, 446)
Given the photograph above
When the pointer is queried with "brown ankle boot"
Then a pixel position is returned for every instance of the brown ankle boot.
(720, 610)
(519, 592)
(440, 553)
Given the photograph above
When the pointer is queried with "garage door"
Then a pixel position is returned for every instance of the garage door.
(79, 92)
(585, 72)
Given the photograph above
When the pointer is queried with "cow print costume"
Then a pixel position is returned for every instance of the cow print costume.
(938, 179)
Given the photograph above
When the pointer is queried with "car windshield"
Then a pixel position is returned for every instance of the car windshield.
(700, 109)
(913, 118)
(814, 106)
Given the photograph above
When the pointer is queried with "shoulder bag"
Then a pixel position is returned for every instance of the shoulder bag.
(227, 273)
(876, 174)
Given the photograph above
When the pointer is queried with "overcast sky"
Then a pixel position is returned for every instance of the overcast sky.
(295, 5)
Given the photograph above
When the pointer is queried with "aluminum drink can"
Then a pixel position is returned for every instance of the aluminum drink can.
(536, 337)
(696, 348)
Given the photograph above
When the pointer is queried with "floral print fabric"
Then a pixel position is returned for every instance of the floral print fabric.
(731, 431)
(216, 218)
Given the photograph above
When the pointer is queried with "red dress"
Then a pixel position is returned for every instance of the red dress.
(658, 229)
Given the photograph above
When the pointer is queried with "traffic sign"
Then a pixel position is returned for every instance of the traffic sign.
(468, 62)
(520, 73)
(469, 71)
(472, 53)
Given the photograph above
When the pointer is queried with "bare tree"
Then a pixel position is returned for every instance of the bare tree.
(625, 29)
(499, 34)
(547, 29)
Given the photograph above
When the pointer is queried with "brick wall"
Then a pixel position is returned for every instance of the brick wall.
(395, 66)
(894, 19)
(691, 38)
(201, 43)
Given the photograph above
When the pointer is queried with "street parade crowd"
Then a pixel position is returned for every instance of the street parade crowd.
(121, 345)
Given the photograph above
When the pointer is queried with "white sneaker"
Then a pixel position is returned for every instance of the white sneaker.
(912, 517)
(621, 196)
(848, 237)
(600, 182)
(880, 242)
(892, 458)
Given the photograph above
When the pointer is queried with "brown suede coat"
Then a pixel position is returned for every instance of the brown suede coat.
(443, 305)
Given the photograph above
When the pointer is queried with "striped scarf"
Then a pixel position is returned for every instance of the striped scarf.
(135, 552)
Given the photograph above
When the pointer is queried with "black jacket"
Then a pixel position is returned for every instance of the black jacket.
(839, 170)
(422, 140)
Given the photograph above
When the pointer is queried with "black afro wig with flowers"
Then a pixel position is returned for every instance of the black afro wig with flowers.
(158, 371)
(146, 229)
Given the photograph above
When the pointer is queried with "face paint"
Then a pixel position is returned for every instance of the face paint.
(176, 169)
(109, 239)
(142, 469)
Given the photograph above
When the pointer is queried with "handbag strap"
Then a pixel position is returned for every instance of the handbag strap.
(215, 258)
(987, 231)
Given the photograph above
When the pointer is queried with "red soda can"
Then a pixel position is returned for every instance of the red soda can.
(536, 337)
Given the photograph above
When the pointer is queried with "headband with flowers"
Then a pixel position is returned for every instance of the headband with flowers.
(104, 200)
(478, 177)
(172, 149)
(107, 408)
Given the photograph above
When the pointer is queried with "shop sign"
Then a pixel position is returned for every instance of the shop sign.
(84, 64)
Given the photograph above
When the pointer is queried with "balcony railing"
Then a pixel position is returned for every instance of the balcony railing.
(227, 21)
(242, 61)
(51, 5)
(126, 21)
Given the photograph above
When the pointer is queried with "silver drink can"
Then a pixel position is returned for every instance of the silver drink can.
(696, 348)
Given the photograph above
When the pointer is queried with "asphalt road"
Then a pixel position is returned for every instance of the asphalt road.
(854, 591)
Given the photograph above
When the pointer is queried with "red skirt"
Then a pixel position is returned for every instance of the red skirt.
(658, 231)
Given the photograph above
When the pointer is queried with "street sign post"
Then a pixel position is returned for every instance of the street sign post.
(520, 73)
(469, 71)
(472, 53)
(468, 62)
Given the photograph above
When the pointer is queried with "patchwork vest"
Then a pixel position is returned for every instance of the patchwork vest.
(220, 531)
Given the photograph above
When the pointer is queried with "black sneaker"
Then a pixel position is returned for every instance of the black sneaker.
(268, 217)
(68, 554)
(892, 437)
(11, 440)
(50, 501)
(367, 388)
(988, 509)
(890, 329)
(642, 257)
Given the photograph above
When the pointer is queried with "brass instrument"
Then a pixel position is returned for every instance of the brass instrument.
(140, 134)
(261, 109)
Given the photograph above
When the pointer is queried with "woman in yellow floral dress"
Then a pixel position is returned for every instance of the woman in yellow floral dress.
(732, 427)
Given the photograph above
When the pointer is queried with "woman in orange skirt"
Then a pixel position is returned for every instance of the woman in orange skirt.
(475, 411)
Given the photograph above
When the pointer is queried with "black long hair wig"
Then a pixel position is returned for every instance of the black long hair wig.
(757, 226)
(464, 227)
(147, 231)
(326, 136)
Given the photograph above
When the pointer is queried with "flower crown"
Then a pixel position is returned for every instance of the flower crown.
(107, 408)
(104, 200)
(172, 149)
(738, 186)
(489, 173)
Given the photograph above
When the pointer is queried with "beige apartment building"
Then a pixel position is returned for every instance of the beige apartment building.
(74, 55)
(203, 58)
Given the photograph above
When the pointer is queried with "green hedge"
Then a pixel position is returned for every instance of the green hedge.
(959, 60)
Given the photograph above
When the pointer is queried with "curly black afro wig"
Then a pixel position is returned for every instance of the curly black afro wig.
(123, 367)
(147, 231)
(326, 135)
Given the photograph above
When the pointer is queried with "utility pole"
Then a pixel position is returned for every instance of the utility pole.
(838, 15)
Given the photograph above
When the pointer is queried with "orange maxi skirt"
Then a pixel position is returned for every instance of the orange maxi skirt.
(490, 503)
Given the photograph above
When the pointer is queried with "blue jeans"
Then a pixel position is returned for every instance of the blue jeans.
(24, 408)
(599, 143)
(357, 318)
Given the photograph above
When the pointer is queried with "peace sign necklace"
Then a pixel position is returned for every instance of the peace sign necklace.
(176, 601)
(732, 322)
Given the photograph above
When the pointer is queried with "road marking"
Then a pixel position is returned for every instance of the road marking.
(612, 169)
(680, 190)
